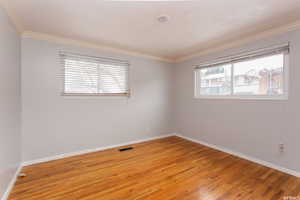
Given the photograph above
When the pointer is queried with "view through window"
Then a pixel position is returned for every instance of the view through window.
(259, 76)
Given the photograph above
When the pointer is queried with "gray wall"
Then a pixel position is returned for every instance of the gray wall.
(252, 127)
(53, 124)
(10, 137)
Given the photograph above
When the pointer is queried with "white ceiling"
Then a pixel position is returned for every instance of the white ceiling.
(194, 26)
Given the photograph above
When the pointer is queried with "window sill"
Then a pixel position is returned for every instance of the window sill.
(276, 98)
(95, 96)
(100, 94)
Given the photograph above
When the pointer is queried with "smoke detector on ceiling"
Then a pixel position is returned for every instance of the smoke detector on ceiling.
(163, 18)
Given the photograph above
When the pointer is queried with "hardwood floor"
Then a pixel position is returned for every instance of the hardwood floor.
(166, 169)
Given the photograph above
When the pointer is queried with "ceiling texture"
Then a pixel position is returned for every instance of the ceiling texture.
(132, 26)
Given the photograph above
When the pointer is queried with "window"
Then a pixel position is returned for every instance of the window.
(216, 80)
(260, 74)
(86, 75)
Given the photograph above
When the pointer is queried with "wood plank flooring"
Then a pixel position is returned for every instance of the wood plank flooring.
(166, 169)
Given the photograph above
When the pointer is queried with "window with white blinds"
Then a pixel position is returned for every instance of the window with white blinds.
(87, 75)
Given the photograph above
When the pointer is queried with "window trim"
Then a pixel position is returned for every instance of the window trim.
(104, 95)
(284, 96)
(95, 94)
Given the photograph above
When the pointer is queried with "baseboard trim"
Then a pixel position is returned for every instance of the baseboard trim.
(65, 155)
(241, 155)
(238, 154)
(11, 184)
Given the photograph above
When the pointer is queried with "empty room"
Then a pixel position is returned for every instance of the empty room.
(149, 100)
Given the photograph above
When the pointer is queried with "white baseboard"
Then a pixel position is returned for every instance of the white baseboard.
(240, 155)
(11, 184)
(65, 155)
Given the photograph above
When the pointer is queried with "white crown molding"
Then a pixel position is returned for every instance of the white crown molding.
(226, 45)
(223, 46)
(63, 40)
(244, 156)
(236, 43)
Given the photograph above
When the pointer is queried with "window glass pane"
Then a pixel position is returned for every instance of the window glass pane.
(261, 76)
(215, 80)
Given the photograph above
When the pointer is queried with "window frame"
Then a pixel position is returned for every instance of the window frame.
(83, 95)
(284, 96)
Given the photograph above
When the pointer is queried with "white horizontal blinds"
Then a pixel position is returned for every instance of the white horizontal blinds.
(112, 79)
(94, 75)
(247, 56)
(80, 76)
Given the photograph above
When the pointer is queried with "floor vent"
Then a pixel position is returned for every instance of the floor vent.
(126, 149)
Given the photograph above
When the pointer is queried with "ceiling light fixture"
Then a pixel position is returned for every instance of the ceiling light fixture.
(163, 18)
